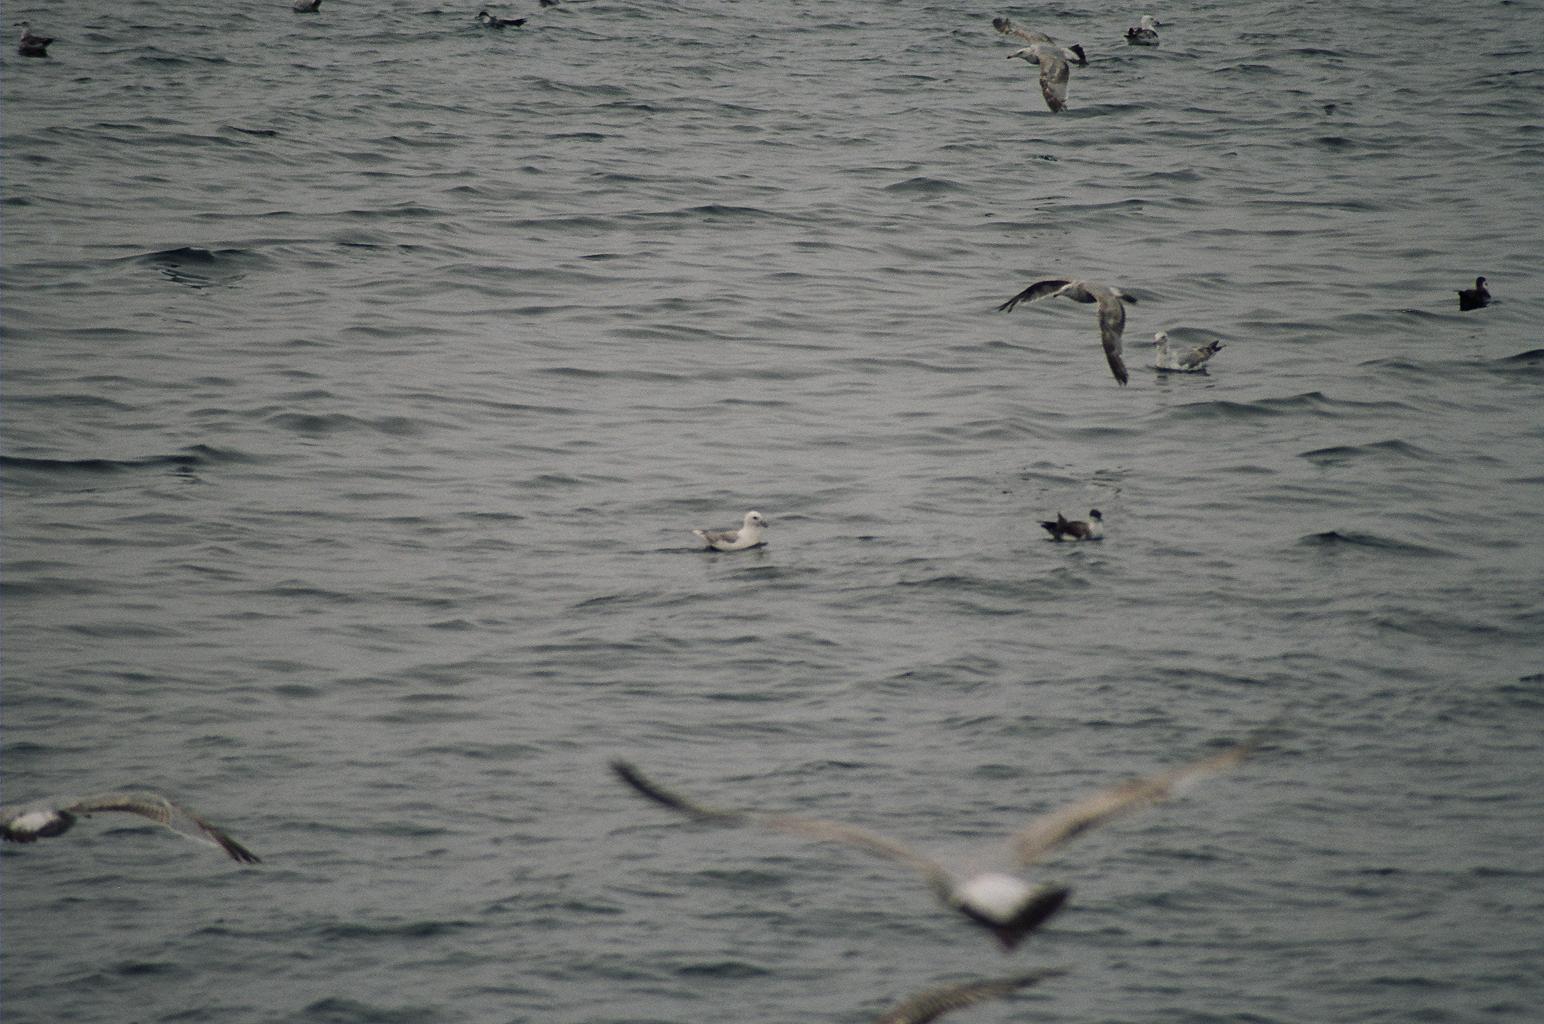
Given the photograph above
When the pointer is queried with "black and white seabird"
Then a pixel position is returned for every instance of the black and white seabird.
(1189, 361)
(47, 818)
(747, 536)
(1002, 903)
(1474, 298)
(307, 6)
(1076, 529)
(1112, 312)
(935, 1002)
(487, 20)
(1053, 59)
(32, 45)
(1144, 32)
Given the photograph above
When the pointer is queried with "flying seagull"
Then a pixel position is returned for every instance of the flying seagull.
(1144, 32)
(1189, 361)
(1472, 298)
(747, 536)
(47, 818)
(1112, 312)
(31, 45)
(1071, 54)
(1074, 529)
(1052, 58)
(935, 1002)
(1004, 904)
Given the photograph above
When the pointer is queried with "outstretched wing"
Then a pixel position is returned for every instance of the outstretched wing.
(935, 1002)
(1038, 290)
(810, 828)
(1008, 28)
(162, 811)
(1046, 833)
(1053, 79)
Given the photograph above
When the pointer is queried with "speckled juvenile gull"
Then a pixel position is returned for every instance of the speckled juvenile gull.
(1052, 58)
(1189, 361)
(1076, 529)
(935, 1002)
(1474, 298)
(1071, 54)
(747, 536)
(487, 20)
(47, 818)
(1002, 903)
(1112, 312)
(1144, 32)
(32, 45)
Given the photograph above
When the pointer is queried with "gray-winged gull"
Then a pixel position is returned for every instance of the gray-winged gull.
(747, 536)
(47, 818)
(1112, 312)
(1187, 361)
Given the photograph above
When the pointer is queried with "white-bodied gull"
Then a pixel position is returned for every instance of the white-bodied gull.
(747, 536)
(1112, 312)
(1188, 361)
(47, 818)
(1144, 32)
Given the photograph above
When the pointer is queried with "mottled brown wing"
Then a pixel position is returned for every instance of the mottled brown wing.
(1008, 28)
(1112, 324)
(164, 812)
(1053, 81)
(1038, 290)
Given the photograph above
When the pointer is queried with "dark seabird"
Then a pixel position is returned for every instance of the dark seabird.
(1003, 904)
(487, 20)
(1112, 312)
(31, 45)
(48, 818)
(1190, 361)
(549, 3)
(1476, 297)
(307, 6)
(935, 1002)
(1075, 529)
(747, 536)
(1144, 32)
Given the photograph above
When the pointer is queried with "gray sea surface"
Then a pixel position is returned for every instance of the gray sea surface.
(365, 372)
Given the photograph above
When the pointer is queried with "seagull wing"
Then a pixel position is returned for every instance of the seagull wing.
(1052, 830)
(1053, 78)
(1008, 28)
(810, 828)
(935, 1002)
(1112, 323)
(162, 811)
(1038, 290)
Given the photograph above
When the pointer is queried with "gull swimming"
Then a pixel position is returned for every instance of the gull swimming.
(1191, 361)
(1053, 61)
(487, 20)
(1076, 529)
(1112, 313)
(47, 818)
(935, 1002)
(1474, 298)
(31, 45)
(1144, 32)
(1002, 903)
(747, 536)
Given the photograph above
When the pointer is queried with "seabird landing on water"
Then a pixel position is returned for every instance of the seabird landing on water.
(1144, 32)
(31, 45)
(487, 20)
(1075, 529)
(935, 1002)
(48, 818)
(747, 536)
(1474, 298)
(1112, 313)
(1191, 361)
(1003, 904)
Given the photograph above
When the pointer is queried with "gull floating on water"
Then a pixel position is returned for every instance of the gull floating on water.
(747, 536)
(1112, 312)
(1144, 32)
(1004, 904)
(487, 20)
(48, 818)
(1191, 361)
(1476, 297)
(307, 6)
(1052, 59)
(1076, 529)
(935, 1002)
(31, 45)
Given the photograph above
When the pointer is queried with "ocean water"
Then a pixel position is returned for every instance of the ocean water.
(364, 373)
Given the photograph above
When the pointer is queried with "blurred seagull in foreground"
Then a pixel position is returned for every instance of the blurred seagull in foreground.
(1075, 529)
(1052, 59)
(1002, 903)
(487, 20)
(48, 818)
(1472, 298)
(1112, 312)
(747, 536)
(1144, 32)
(31, 45)
(1191, 361)
(935, 1002)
